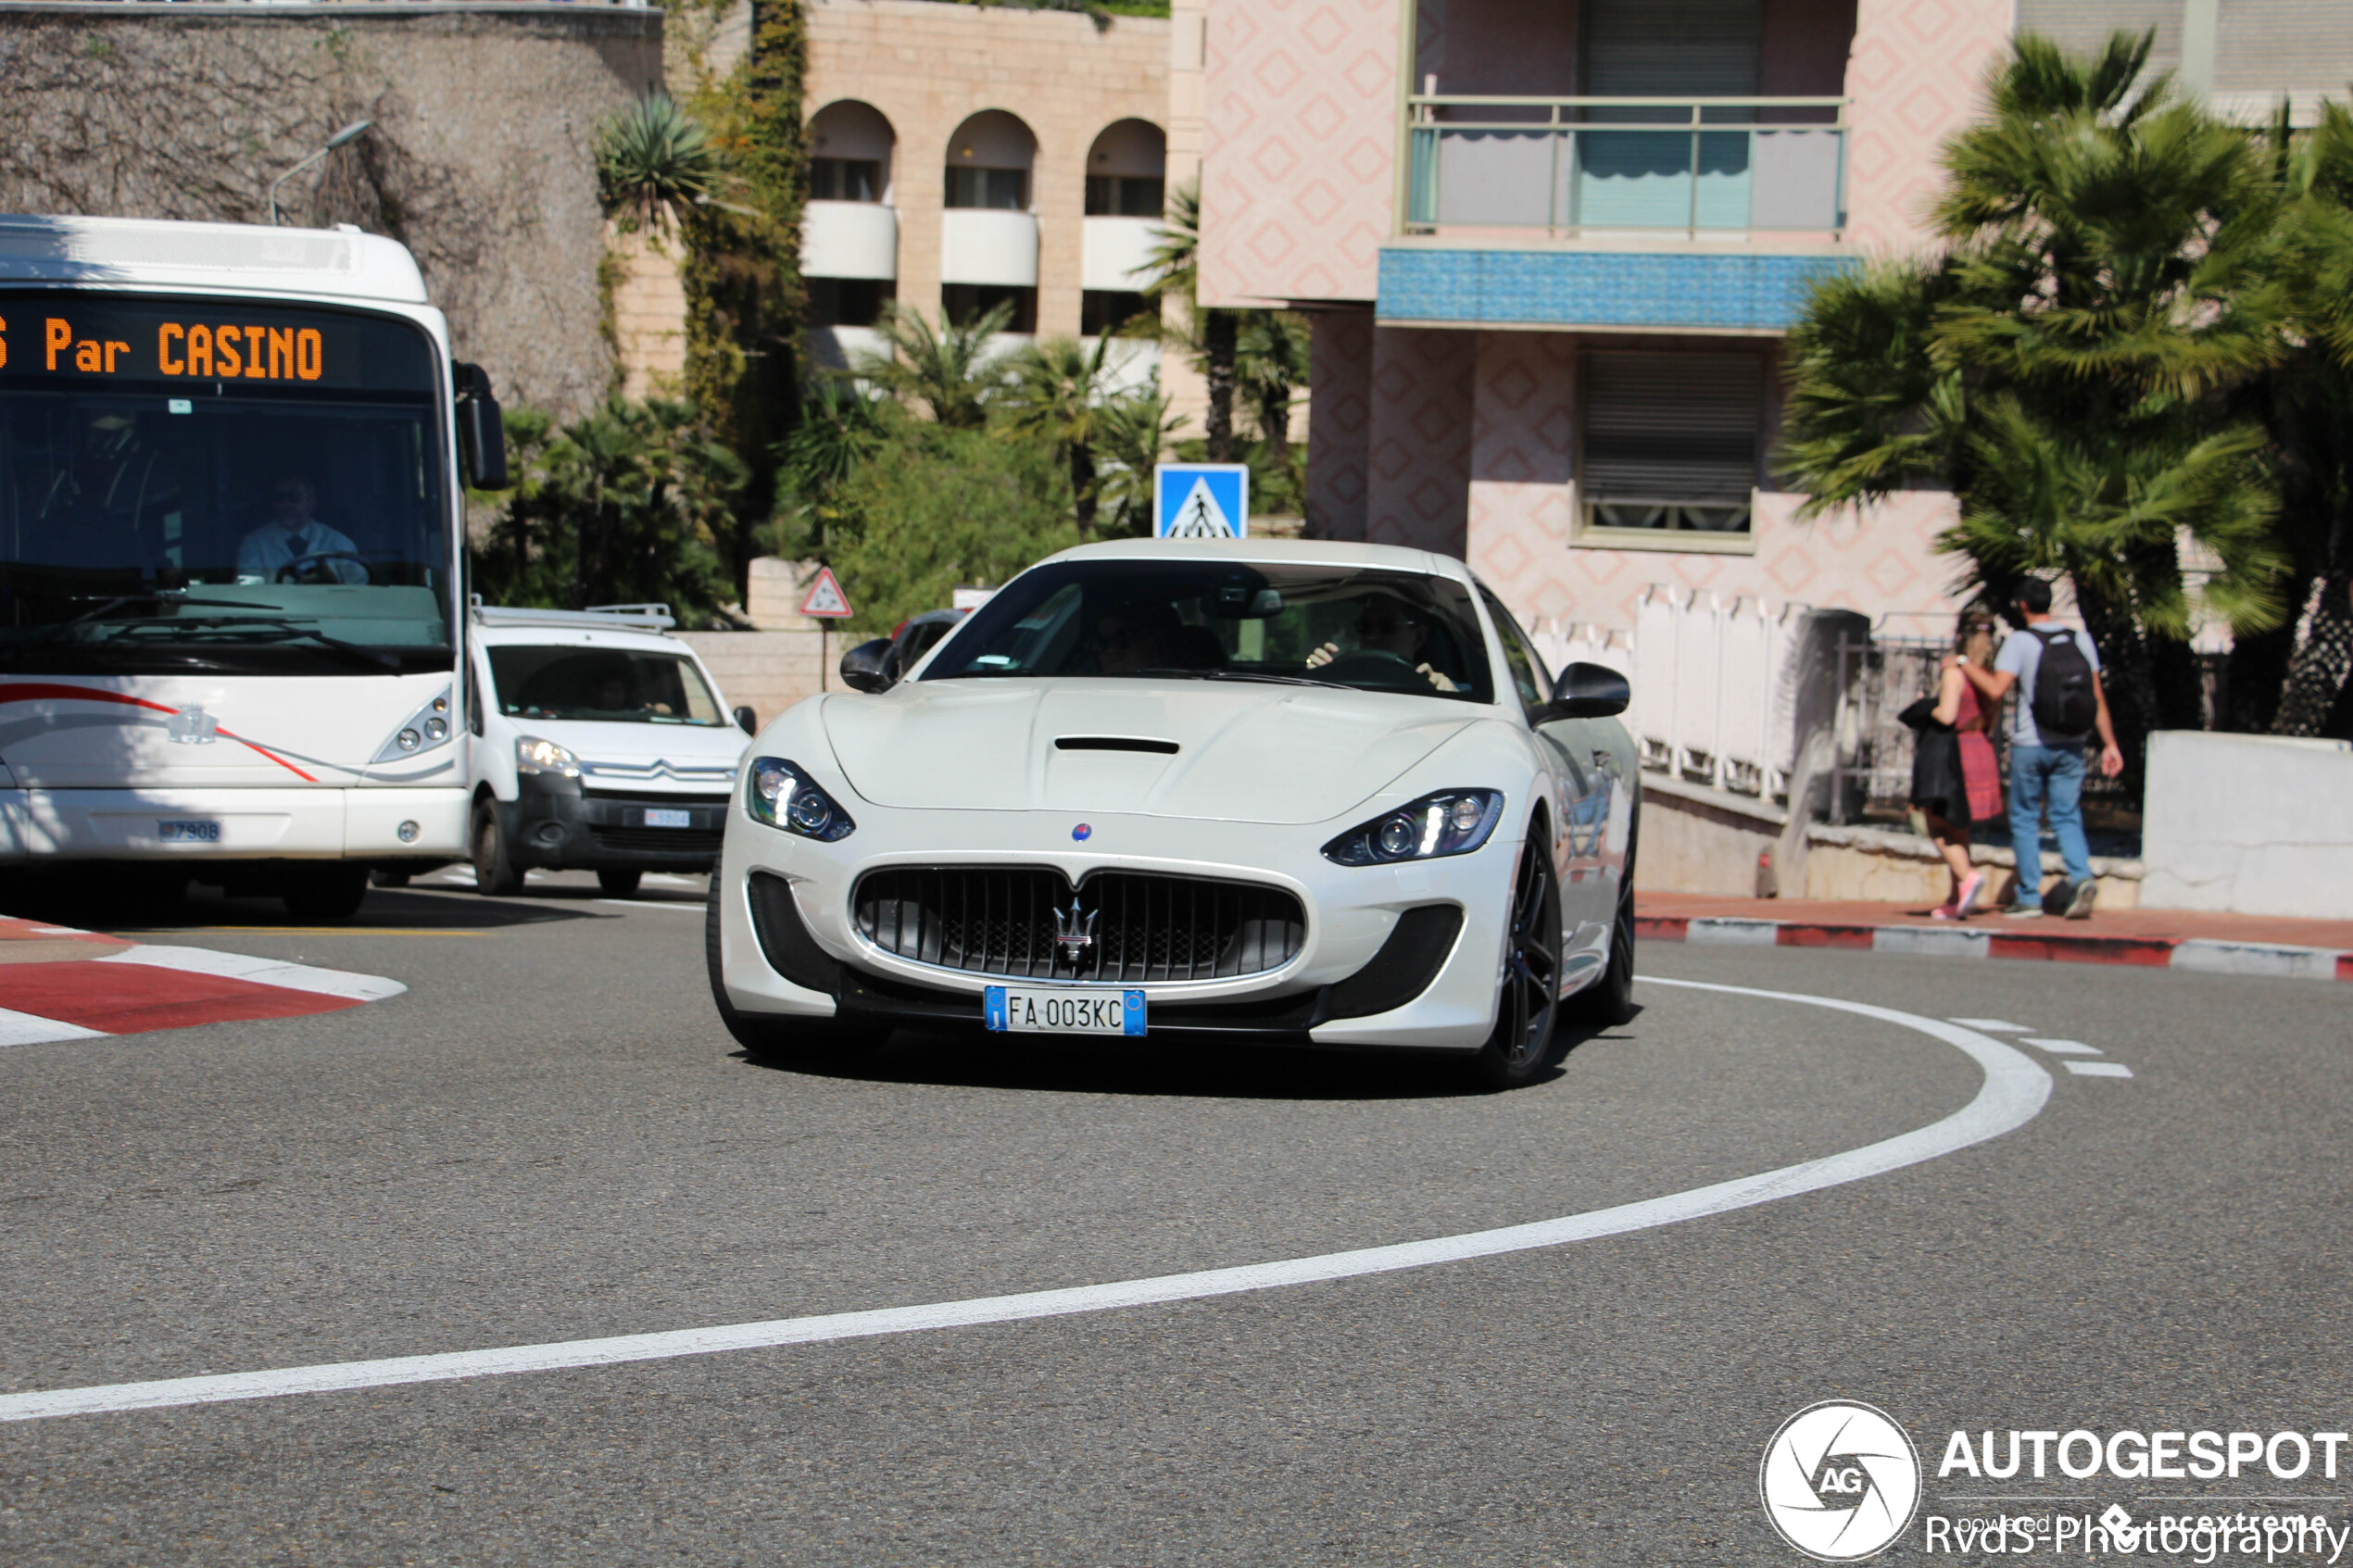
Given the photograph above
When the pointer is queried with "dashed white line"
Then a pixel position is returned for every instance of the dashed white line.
(654, 904)
(2016, 1088)
(2097, 1069)
(2062, 1048)
(1993, 1025)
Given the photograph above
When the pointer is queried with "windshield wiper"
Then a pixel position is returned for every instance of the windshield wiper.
(1233, 675)
(165, 596)
(284, 630)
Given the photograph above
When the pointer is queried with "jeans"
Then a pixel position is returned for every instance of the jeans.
(2051, 775)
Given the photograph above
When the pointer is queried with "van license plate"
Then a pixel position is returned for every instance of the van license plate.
(665, 819)
(1023, 1009)
(171, 832)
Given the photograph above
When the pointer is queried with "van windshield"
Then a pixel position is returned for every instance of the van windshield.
(610, 685)
(209, 485)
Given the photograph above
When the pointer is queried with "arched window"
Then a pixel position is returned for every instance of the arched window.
(989, 241)
(849, 147)
(850, 234)
(1127, 172)
(988, 162)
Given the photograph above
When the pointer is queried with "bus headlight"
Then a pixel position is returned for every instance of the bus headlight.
(422, 731)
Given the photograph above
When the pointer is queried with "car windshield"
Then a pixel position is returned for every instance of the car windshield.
(215, 485)
(1366, 629)
(609, 685)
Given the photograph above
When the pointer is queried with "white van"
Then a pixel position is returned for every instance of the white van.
(604, 746)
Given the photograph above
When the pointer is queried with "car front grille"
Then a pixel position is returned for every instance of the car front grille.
(676, 841)
(1129, 928)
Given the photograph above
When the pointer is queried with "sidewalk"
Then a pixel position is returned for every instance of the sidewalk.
(2259, 945)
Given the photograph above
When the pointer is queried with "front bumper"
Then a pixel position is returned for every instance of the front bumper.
(554, 824)
(47, 825)
(1395, 956)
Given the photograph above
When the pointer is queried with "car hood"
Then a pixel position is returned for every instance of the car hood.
(1244, 752)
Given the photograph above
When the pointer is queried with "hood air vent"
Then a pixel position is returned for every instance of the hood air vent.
(1115, 743)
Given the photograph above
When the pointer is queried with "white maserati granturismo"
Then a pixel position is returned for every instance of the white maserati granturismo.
(1281, 791)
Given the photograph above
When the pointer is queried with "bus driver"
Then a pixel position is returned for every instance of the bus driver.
(293, 535)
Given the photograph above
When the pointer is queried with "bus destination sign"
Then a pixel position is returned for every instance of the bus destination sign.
(215, 340)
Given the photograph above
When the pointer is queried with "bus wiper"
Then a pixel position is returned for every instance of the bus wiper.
(283, 630)
(50, 633)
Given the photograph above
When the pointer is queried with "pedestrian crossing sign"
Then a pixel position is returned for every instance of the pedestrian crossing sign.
(1201, 500)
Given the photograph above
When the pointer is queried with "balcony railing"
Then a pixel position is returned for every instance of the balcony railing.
(1571, 166)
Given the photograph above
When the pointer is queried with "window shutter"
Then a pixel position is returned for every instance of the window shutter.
(1672, 427)
(1673, 48)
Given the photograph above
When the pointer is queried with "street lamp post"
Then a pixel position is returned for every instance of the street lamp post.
(348, 133)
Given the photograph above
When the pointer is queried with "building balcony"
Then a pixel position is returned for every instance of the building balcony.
(1118, 253)
(850, 240)
(1624, 169)
(988, 247)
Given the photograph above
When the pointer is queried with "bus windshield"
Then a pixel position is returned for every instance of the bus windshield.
(214, 486)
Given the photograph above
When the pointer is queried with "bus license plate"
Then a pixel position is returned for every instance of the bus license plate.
(658, 818)
(1022, 1009)
(171, 832)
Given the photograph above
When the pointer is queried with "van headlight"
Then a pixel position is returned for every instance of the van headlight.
(535, 755)
(1452, 821)
(781, 796)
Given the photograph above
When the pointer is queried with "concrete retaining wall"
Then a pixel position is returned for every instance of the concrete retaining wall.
(2256, 824)
(767, 671)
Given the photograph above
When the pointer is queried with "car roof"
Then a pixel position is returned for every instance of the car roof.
(1287, 552)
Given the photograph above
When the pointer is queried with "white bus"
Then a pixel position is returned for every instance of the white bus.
(230, 558)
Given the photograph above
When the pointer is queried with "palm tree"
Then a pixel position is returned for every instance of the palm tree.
(1137, 431)
(1173, 269)
(1056, 390)
(654, 163)
(948, 369)
(1272, 363)
(2067, 364)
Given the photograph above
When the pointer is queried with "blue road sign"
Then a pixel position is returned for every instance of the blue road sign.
(1201, 500)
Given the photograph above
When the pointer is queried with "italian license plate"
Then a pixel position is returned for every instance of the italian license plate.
(660, 818)
(1022, 1009)
(171, 831)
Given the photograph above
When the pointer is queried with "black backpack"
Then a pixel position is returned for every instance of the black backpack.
(2067, 703)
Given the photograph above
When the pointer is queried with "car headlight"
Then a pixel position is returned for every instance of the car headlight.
(1452, 821)
(535, 755)
(781, 795)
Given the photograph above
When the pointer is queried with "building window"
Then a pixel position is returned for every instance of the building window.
(963, 304)
(844, 180)
(849, 302)
(1124, 196)
(1103, 311)
(1671, 445)
(1004, 189)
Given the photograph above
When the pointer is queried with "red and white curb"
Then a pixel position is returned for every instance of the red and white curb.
(145, 987)
(2200, 954)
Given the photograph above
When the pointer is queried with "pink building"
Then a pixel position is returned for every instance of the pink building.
(1552, 247)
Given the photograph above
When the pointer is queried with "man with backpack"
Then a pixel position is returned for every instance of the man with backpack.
(2060, 705)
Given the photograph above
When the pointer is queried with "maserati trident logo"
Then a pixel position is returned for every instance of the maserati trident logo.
(1074, 933)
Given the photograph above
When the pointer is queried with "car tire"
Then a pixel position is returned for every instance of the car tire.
(493, 868)
(1609, 1001)
(1528, 997)
(621, 884)
(333, 891)
(780, 1042)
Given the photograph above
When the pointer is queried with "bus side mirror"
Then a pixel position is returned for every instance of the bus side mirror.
(866, 668)
(481, 430)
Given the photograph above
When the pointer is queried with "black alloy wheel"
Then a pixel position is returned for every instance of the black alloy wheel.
(776, 1041)
(1609, 1000)
(621, 884)
(1527, 1002)
(493, 868)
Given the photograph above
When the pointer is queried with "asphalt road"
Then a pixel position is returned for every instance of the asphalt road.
(549, 1137)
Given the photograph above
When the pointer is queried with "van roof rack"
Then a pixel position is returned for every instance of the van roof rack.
(633, 617)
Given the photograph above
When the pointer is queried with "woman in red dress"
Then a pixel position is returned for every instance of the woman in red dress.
(1980, 776)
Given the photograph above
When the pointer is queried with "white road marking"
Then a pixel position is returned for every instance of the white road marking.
(675, 879)
(1993, 1025)
(262, 972)
(2097, 1069)
(653, 904)
(2062, 1048)
(2015, 1090)
(30, 1029)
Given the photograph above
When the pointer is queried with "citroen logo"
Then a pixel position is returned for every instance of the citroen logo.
(1074, 933)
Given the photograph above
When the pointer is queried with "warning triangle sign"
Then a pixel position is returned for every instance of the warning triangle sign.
(826, 600)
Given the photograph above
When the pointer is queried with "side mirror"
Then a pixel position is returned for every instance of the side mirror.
(482, 429)
(1586, 690)
(747, 721)
(866, 668)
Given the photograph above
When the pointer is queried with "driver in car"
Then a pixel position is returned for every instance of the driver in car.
(293, 534)
(1385, 624)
